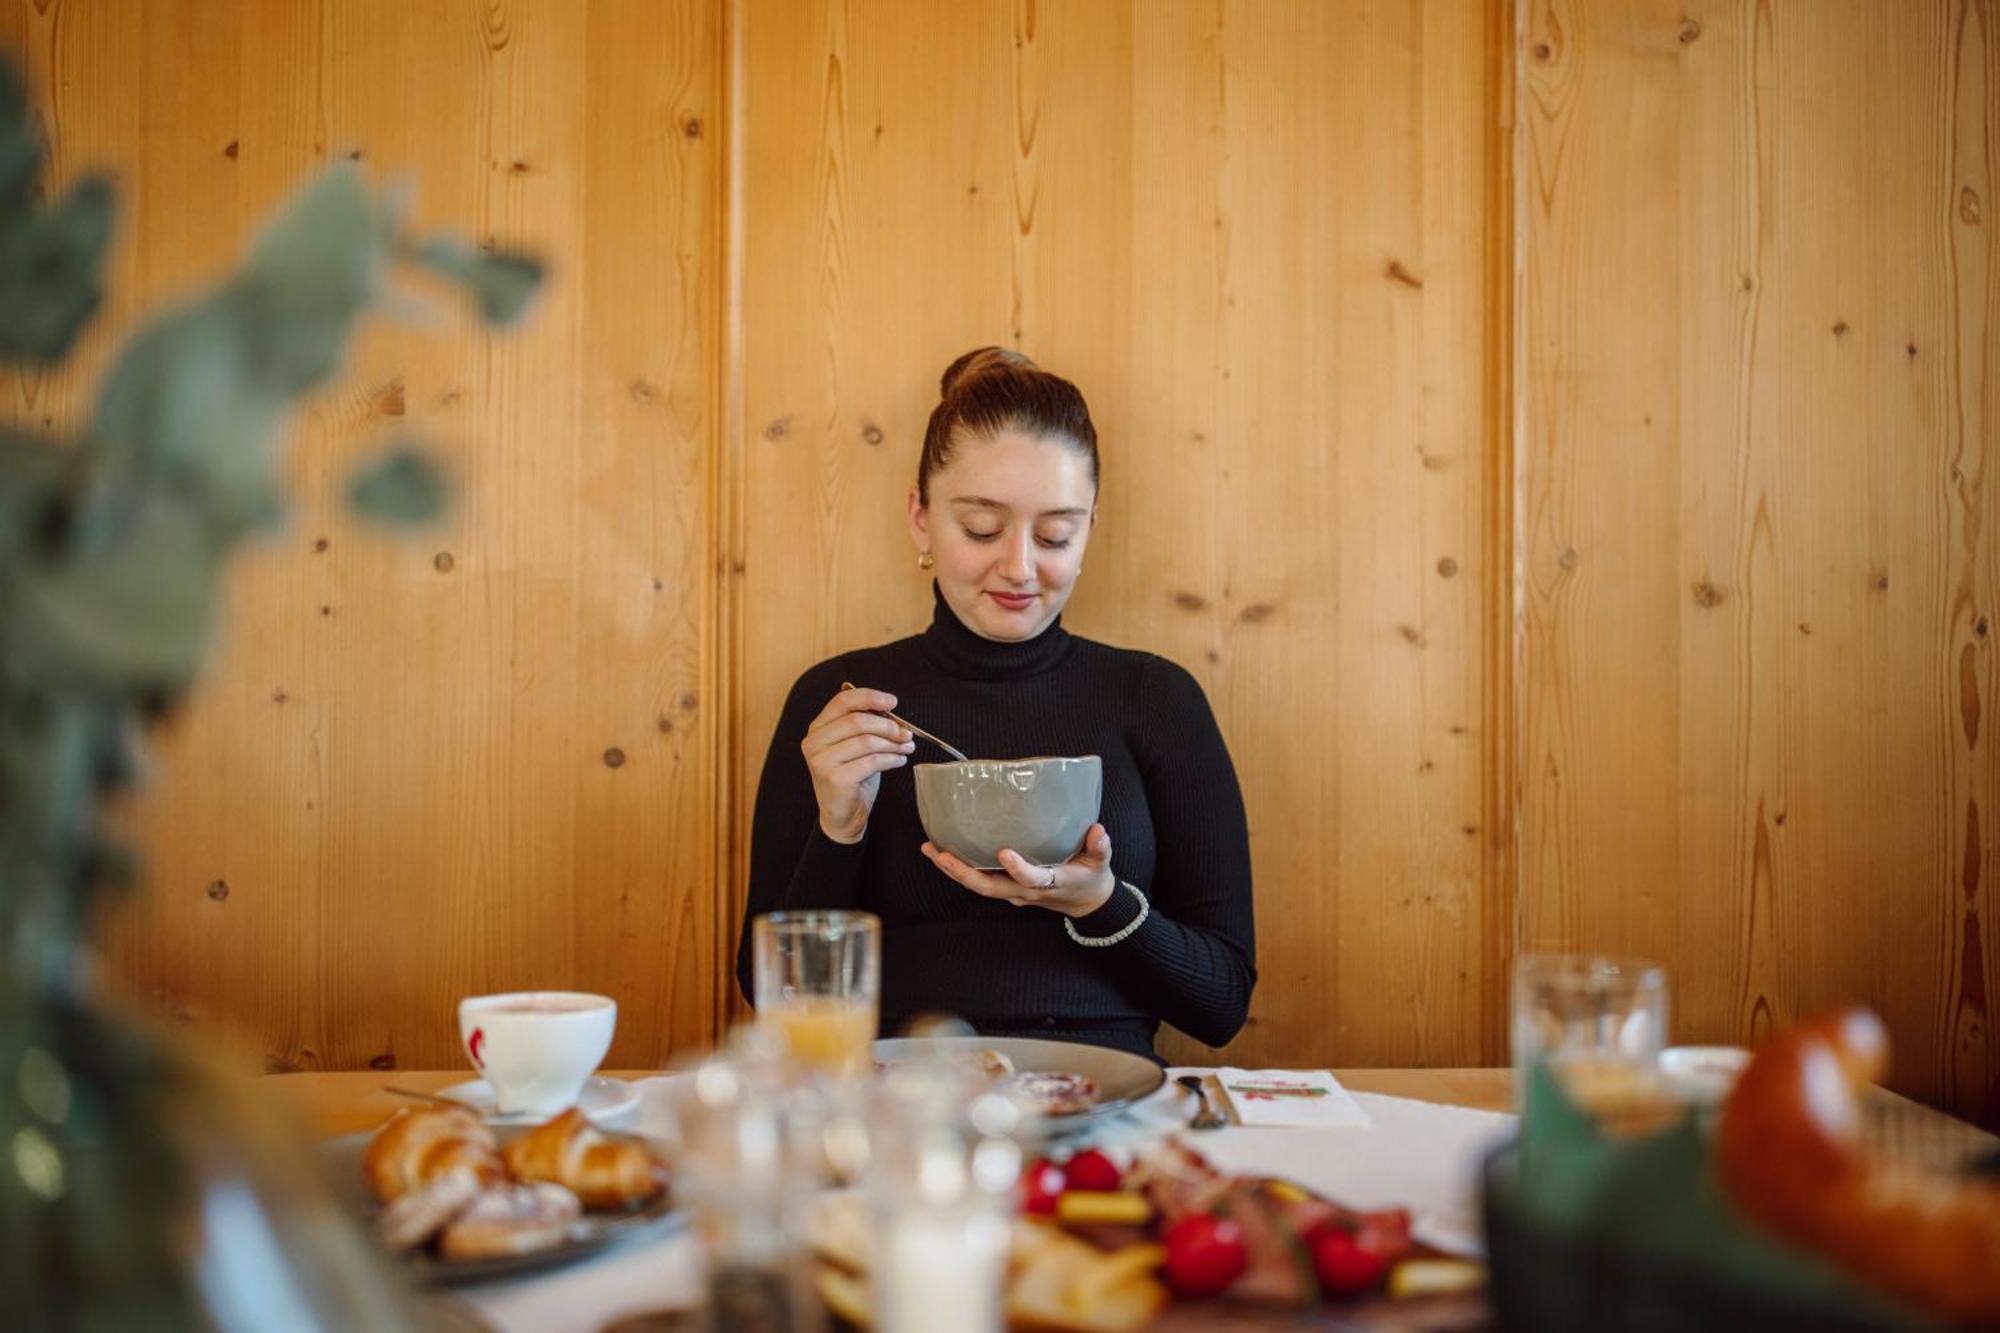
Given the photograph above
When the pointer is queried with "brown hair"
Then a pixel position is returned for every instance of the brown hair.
(993, 389)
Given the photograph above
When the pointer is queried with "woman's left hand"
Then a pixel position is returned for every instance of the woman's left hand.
(1077, 887)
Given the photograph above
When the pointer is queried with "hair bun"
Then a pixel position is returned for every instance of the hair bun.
(977, 362)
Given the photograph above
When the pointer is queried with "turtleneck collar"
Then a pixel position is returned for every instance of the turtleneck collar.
(957, 651)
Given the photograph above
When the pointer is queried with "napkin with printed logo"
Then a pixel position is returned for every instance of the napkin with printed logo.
(1273, 1097)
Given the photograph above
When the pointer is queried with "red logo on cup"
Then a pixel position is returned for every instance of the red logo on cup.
(473, 1043)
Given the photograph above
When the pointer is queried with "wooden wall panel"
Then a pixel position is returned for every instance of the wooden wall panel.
(1259, 237)
(485, 758)
(1720, 545)
(1759, 565)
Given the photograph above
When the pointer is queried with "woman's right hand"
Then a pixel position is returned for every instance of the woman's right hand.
(847, 748)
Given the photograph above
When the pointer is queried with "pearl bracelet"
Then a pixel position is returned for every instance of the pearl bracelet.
(1102, 941)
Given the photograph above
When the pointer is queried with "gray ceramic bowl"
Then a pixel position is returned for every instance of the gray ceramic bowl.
(1041, 808)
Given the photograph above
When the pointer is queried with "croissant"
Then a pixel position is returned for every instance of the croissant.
(1787, 1152)
(602, 1171)
(419, 1144)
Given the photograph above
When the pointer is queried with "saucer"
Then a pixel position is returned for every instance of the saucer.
(603, 1100)
(1703, 1074)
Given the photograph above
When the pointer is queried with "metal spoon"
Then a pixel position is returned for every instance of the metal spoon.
(907, 725)
(1204, 1118)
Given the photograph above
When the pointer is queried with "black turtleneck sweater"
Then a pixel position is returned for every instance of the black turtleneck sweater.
(1171, 806)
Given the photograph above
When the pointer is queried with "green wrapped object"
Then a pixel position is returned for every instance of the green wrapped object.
(1634, 1235)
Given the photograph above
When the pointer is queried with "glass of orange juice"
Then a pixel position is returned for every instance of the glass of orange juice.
(817, 978)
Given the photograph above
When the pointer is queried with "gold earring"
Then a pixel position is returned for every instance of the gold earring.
(924, 560)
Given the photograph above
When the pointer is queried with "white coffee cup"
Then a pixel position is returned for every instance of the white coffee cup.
(536, 1047)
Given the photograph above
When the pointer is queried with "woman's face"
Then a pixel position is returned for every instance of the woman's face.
(1007, 523)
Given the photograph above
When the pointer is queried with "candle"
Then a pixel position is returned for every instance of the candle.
(942, 1270)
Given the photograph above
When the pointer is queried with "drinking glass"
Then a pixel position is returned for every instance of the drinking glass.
(1597, 1023)
(817, 981)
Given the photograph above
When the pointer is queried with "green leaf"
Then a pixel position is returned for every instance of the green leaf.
(191, 405)
(31, 472)
(132, 618)
(316, 268)
(50, 263)
(401, 488)
(503, 282)
(20, 146)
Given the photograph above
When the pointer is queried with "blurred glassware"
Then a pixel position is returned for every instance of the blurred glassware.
(817, 980)
(1598, 1024)
(940, 1186)
(748, 1168)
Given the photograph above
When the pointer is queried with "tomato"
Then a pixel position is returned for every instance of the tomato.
(1041, 1185)
(1092, 1170)
(1205, 1253)
(1344, 1265)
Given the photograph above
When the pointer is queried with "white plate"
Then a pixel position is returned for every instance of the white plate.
(603, 1100)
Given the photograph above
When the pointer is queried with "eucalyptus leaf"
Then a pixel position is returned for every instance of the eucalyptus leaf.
(503, 282)
(20, 145)
(131, 618)
(400, 488)
(49, 271)
(31, 472)
(316, 268)
(190, 406)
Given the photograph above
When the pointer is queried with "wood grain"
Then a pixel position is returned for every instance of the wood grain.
(1757, 556)
(1586, 431)
(1258, 238)
(483, 759)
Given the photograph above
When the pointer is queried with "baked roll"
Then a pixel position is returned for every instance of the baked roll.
(420, 1144)
(604, 1172)
(1788, 1150)
(513, 1219)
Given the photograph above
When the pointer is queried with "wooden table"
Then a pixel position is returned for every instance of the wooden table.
(332, 1104)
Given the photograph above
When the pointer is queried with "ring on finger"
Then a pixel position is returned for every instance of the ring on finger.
(1050, 882)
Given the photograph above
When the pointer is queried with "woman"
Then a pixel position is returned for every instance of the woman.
(1151, 920)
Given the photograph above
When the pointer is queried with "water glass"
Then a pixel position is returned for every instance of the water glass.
(1597, 1023)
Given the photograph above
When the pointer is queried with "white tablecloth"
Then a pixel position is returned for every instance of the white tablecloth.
(1415, 1154)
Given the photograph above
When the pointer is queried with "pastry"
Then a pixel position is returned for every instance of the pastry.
(602, 1171)
(1788, 1152)
(421, 1213)
(421, 1143)
(994, 1064)
(1053, 1092)
(509, 1220)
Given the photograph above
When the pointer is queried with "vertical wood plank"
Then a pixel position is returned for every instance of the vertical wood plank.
(1257, 237)
(483, 759)
(1757, 540)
